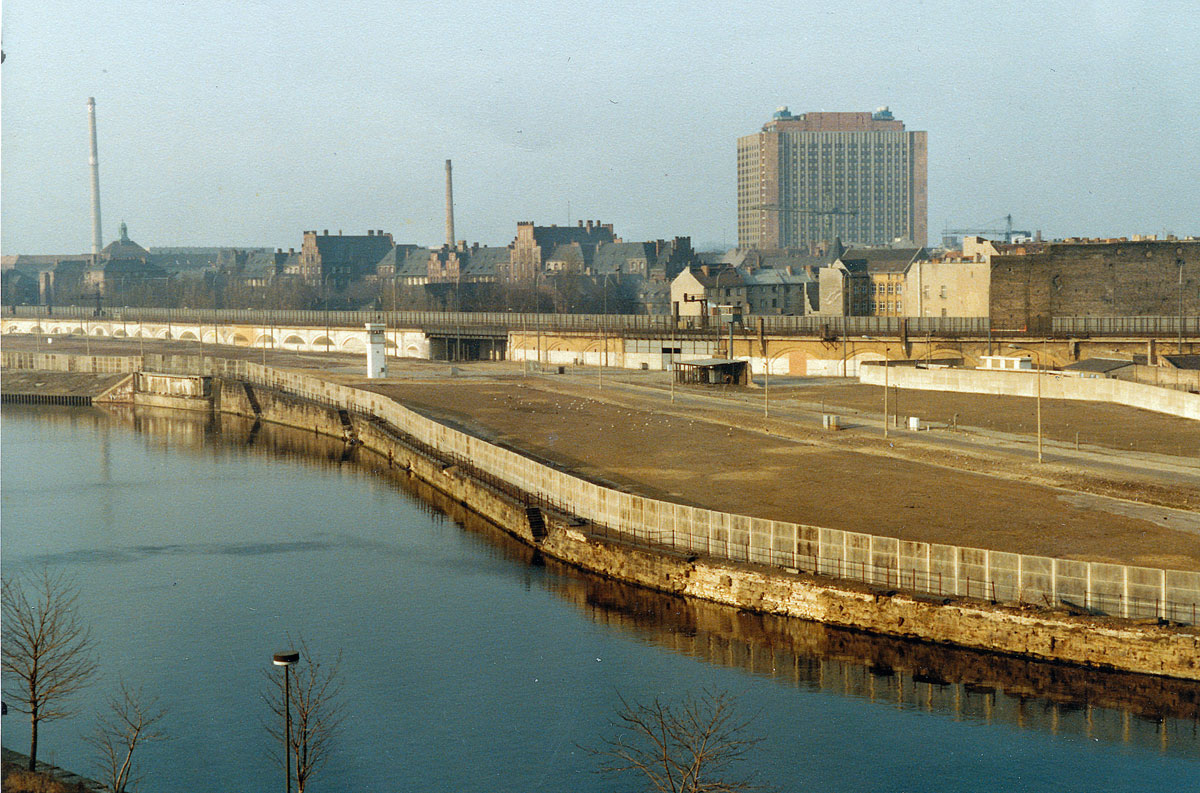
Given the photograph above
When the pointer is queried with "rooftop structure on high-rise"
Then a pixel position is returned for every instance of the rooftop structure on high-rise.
(808, 179)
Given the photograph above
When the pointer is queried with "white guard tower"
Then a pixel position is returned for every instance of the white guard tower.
(376, 351)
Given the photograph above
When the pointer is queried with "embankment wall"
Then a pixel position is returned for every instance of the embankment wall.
(1014, 629)
(1025, 384)
(761, 568)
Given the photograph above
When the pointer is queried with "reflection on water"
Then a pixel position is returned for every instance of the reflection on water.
(1148, 712)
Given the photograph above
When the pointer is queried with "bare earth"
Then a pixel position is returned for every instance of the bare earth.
(1132, 495)
(836, 480)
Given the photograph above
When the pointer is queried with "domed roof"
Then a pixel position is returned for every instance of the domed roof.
(124, 248)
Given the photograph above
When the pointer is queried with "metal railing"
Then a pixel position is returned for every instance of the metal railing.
(941, 570)
(501, 322)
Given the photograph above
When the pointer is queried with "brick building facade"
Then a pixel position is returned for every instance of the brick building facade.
(1114, 278)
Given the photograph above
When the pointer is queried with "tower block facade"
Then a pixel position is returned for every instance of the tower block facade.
(808, 179)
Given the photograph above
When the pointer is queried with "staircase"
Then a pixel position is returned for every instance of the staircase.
(537, 523)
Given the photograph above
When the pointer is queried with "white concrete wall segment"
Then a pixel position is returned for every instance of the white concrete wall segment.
(1025, 384)
(938, 569)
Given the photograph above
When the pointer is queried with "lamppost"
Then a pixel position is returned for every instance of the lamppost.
(1038, 361)
(1179, 261)
(887, 354)
(286, 659)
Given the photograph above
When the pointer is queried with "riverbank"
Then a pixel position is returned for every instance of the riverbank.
(555, 512)
(1021, 630)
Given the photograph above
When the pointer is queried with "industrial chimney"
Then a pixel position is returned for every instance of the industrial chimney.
(449, 208)
(94, 162)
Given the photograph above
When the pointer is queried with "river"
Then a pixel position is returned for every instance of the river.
(201, 546)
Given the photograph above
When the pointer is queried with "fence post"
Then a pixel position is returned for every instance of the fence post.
(1125, 591)
(1087, 591)
(1163, 598)
(987, 571)
(1054, 581)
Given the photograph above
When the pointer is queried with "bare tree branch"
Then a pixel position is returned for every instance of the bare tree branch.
(696, 747)
(315, 710)
(47, 651)
(132, 719)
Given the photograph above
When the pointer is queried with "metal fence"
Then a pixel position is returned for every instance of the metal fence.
(943, 570)
(1133, 326)
(500, 322)
(932, 568)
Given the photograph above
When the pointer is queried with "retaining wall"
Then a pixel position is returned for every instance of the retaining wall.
(1053, 386)
(777, 551)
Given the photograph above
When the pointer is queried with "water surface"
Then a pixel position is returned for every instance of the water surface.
(202, 546)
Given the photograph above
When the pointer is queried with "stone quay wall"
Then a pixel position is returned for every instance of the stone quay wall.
(963, 596)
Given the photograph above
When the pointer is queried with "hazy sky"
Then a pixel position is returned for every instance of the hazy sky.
(247, 122)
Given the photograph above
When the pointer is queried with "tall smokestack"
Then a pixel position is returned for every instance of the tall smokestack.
(449, 208)
(94, 162)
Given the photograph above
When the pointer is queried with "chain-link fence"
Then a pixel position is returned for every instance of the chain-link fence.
(931, 568)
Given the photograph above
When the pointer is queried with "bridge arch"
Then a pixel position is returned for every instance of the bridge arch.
(98, 331)
(322, 342)
(187, 335)
(294, 340)
(355, 344)
(265, 340)
(240, 339)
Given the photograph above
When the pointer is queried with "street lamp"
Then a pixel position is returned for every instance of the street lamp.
(1179, 261)
(1038, 361)
(887, 354)
(286, 659)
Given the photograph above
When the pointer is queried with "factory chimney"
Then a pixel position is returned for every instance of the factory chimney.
(449, 208)
(94, 162)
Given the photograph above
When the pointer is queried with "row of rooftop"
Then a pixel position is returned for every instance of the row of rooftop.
(1038, 279)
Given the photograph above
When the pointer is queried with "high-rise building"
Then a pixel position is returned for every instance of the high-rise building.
(808, 179)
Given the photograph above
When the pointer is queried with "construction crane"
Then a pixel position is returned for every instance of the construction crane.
(1008, 232)
(829, 213)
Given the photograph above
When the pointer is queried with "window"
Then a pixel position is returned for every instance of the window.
(943, 293)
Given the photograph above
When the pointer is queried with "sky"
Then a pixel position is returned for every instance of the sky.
(246, 123)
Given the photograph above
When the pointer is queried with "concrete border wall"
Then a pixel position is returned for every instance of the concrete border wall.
(1025, 384)
(941, 570)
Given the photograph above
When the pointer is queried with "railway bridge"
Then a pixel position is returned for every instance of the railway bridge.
(813, 345)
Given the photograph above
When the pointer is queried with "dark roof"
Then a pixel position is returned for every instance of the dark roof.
(362, 247)
(571, 252)
(407, 259)
(717, 276)
(1100, 365)
(413, 261)
(612, 256)
(125, 249)
(881, 260)
(486, 260)
(1183, 361)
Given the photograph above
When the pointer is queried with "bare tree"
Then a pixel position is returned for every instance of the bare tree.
(313, 705)
(131, 720)
(695, 747)
(48, 652)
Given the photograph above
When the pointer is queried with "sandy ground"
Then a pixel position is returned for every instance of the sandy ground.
(700, 459)
(713, 449)
(1095, 423)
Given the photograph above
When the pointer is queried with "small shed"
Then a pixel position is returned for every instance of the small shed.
(713, 371)
(1096, 368)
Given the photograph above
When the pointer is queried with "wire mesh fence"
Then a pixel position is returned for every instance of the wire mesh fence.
(929, 568)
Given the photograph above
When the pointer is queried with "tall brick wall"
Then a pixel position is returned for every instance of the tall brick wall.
(1116, 279)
